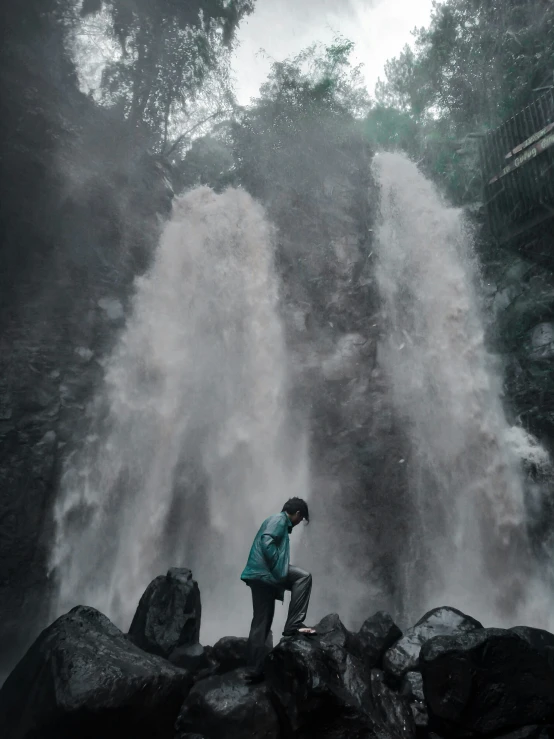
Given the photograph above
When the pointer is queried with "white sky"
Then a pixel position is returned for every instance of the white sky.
(282, 28)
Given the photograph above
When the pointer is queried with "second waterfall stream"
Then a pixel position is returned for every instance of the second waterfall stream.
(469, 545)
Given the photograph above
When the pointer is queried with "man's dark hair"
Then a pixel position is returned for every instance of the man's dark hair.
(297, 504)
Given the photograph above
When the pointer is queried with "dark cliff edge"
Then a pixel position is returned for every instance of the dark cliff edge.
(80, 207)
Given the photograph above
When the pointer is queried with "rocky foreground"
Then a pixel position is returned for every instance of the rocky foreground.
(447, 677)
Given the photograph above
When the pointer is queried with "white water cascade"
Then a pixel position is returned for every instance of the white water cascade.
(469, 546)
(191, 444)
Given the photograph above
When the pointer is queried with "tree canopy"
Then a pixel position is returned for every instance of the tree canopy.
(169, 49)
(475, 65)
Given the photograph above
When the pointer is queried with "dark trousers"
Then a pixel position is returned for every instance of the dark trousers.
(299, 582)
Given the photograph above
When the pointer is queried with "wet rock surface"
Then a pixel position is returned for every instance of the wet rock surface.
(227, 707)
(193, 657)
(404, 655)
(377, 634)
(230, 652)
(486, 682)
(168, 615)
(83, 677)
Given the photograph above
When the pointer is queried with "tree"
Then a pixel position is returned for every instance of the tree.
(474, 66)
(169, 49)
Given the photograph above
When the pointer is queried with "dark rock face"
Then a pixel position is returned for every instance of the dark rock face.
(411, 689)
(79, 216)
(83, 677)
(226, 707)
(537, 638)
(486, 682)
(404, 656)
(230, 653)
(332, 632)
(377, 634)
(304, 677)
(412, 686)
(193, 658)
(319, 696)
(530, 732)
(391, 708)
(325, 690)
(168, 614)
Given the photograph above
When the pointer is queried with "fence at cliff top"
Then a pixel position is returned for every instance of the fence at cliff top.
(517, 161)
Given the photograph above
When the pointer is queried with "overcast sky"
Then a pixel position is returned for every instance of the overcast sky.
(282, 28)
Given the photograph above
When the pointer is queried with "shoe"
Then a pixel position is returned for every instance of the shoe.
(300, 631)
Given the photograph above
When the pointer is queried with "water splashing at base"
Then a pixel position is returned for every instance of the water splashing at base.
(193, 444)
(469, 546)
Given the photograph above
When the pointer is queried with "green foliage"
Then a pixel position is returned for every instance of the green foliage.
(199, 14)
(169, 51)
(474, 66)
(307, 109)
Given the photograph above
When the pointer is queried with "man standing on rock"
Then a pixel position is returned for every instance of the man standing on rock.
(269, 573)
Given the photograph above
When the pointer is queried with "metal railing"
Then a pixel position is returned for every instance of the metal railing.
(517, 160)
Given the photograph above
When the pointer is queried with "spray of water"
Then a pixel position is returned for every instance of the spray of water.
(469, 548)
(191, 444)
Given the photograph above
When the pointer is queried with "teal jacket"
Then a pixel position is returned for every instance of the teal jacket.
(269, 558)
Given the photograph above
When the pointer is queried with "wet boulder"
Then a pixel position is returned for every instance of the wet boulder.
(530, 732)
(486, 682)
(193, 657)
(230, 652)
(537, 638)
(404, 655)
(83, 677)
(227, 707)
(307, 678)
(323, 690)
(412, 686)
(332, 632)
(377, 634)
(391, 708)
(411, 689)
(168, 614)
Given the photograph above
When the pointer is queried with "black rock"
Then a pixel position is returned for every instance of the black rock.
(306, 678)
(421, 717)
(537, 638)
(392, 709)
(530, 732)
(488, 681)
(168, 614)
(377, 634)
(324, 690)
(346, 725)
(227, 707)
(412, 686)
(411, 689)
(83, 677)
(404, 655)
(192, 658)
(230, 652)
(332, 632)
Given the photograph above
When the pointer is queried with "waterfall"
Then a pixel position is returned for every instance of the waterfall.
(469, 545)
(191, 443)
